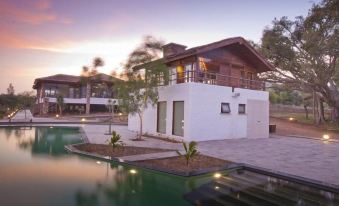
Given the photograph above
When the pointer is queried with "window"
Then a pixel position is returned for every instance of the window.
(242, 109)
(225, 108)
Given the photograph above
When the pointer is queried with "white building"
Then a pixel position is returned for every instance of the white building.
(213, 94)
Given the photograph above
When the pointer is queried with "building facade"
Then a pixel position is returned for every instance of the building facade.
(73, 90)
(213, 93)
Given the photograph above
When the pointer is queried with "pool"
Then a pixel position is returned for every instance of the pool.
(36, 170)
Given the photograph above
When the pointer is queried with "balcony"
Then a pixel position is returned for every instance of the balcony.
(215, 79)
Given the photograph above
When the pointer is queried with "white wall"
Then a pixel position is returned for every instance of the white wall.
(203, 118)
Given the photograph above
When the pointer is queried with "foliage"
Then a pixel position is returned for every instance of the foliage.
(284, 95)
(190, 151)
(305, 52)
(9, 102)
(145, 72)
(88, 73)
(115, 140)
(10, 89)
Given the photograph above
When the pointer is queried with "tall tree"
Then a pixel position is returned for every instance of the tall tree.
(305, 53)
(10, 89)
(88, 73)
(145, 71)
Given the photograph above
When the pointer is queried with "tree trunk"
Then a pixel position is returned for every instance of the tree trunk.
(140, 130)
(314, 107)
(60, 110)
(320, 111)
(88, 98)
(306, 111)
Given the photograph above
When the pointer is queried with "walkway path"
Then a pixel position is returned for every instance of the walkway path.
(22, 115)
(308, 158)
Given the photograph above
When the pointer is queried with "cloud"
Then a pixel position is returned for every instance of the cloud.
(34, 13)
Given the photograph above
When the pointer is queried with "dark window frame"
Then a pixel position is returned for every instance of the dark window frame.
(242, 112)
(221, 108)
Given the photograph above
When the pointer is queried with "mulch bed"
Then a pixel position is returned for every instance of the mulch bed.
(107, 150)
(178, 164)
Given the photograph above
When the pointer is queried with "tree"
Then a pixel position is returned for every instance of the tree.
(10, 89)
(305, 54)
(60, 102)
(88, 73)
(145, 72)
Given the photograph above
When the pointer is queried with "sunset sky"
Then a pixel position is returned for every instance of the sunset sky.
(46, 37)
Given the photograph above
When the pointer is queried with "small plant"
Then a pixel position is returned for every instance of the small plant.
(190, 151)
(115, 140)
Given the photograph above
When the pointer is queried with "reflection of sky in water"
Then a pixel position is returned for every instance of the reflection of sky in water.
(36, 170)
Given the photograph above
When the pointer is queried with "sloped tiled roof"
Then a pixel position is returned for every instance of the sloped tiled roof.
(72, 79)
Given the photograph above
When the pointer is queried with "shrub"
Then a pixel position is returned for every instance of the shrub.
(115, 140)
(190, 151)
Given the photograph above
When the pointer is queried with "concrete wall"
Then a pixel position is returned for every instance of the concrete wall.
(203, 117)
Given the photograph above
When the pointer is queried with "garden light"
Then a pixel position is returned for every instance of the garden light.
(326, 137)
(133, 171)
(217, 175)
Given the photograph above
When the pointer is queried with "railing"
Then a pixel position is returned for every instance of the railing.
(215, 79)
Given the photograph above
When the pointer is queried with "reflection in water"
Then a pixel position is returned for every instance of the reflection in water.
(243, 187)
(131, 186)
(32, 173)
(50, 141)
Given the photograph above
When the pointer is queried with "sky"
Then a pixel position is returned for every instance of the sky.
(46, 37)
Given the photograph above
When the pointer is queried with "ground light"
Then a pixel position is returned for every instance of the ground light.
(326, 137)
(291, 118)
(217, 175)
(133, 171)
(57, 116)
(83, 119)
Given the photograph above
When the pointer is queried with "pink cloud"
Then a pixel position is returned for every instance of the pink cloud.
(36, 13)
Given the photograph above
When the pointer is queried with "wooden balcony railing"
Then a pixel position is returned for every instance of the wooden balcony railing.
(215, 79)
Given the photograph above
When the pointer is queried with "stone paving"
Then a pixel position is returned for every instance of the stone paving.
(307, 158)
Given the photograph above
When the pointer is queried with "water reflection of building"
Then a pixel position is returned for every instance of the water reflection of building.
(51, 141)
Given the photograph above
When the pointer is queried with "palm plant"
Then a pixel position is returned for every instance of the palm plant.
(190, 151)
(115, 140)
(87, 74)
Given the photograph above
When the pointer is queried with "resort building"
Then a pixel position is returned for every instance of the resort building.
(213, 93)
(73, 90)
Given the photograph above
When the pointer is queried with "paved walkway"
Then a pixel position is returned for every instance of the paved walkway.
(297, 156)
(96, 134)
(308, 158)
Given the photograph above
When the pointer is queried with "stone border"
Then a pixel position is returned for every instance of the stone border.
(74, 150)
(43, 123)
(293, 178)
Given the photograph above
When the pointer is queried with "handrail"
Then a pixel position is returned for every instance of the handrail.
(215, 79)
